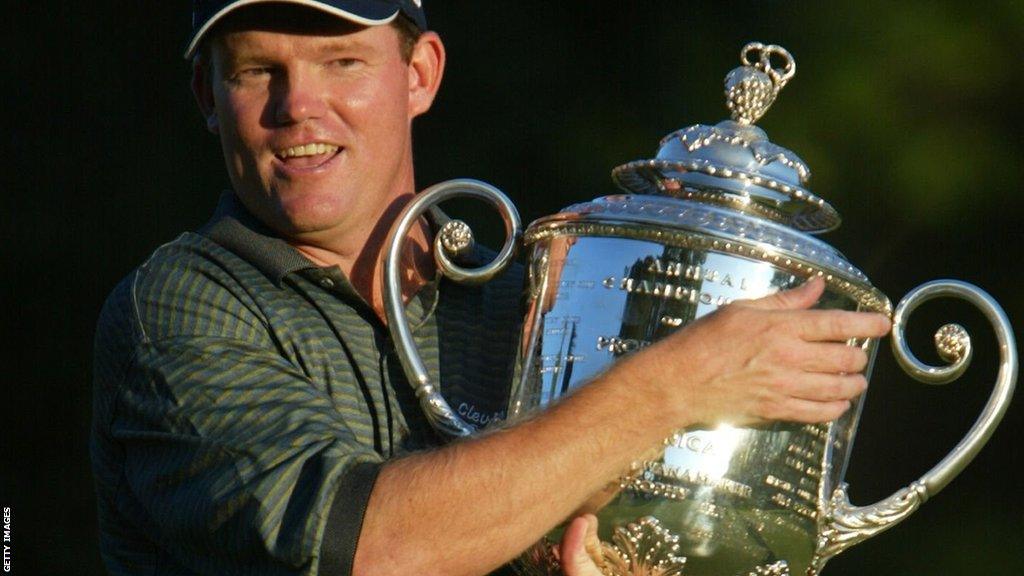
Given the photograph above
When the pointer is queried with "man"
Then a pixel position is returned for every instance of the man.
(250, 417)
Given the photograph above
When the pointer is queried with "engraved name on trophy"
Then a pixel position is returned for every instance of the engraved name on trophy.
(720, 214)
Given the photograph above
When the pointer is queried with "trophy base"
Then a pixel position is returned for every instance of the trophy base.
(641, 548)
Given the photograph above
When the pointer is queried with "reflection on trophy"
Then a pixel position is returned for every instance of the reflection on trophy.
(720, 214)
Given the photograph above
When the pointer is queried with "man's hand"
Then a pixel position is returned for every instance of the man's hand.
(760, 360)
(755, 360)
(580, 549)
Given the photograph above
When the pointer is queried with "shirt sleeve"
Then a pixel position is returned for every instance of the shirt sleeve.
(235, 463)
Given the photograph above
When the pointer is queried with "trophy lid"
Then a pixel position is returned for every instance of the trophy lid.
(725, 188)
(733, 163)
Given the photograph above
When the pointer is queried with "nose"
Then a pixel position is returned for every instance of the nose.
(299, 98)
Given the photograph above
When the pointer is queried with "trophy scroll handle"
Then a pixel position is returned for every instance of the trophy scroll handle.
(845, 524)
(453, 240)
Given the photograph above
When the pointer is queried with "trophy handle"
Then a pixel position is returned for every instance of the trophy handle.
(454, 239)
(845, 524)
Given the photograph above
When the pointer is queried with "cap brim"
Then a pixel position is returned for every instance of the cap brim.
(370, 16)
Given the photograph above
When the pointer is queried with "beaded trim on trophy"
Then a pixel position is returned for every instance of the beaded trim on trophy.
(870, 299)
(638, 176)
(704, 227)
(765, 152)
(675, 189)
(726, 224)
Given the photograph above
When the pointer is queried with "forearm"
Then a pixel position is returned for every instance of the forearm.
(471, 506)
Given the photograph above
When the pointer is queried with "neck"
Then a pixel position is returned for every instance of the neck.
(359, 254)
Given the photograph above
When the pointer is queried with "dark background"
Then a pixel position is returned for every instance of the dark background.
(909, 114)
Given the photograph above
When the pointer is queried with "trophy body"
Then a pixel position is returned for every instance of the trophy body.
(611, 276)
(720, 214)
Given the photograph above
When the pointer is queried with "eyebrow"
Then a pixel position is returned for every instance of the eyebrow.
(328, 47)
(345, 45)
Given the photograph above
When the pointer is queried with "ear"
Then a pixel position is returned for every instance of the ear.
(426, 67)
(202, 89)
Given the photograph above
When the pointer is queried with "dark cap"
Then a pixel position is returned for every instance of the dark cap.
(206, 13)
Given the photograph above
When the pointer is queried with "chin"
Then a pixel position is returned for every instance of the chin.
(309, 217)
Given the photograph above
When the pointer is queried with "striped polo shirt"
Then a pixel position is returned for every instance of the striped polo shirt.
(245, 400)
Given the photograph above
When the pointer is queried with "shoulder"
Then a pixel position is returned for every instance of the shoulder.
(189, 286)
(187, 290)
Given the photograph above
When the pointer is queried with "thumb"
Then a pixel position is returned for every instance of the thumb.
(799, 298)
(580, 546)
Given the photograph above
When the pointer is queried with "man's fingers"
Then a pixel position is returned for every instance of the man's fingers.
(833, 358)
(826, 387)
(817, 325)
(842, 325)
(801, 297)
(811, 412)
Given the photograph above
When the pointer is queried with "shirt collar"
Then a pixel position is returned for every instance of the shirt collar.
(236, 229)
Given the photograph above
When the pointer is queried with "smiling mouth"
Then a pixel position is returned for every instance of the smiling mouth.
(310, 155)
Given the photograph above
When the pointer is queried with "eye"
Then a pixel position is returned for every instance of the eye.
(345, 63)
(253, 72)
(249, 75)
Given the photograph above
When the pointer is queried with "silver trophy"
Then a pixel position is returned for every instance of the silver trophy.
(720, 214)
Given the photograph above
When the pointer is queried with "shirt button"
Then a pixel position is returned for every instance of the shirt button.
(327, 283)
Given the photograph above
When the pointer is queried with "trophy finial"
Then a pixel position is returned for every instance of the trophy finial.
(733, 163)
(751, 88)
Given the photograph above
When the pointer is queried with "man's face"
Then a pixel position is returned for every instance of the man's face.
(314, 119)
